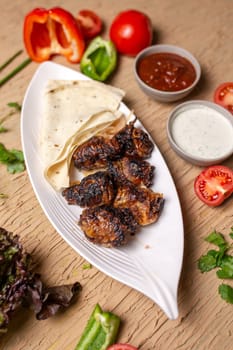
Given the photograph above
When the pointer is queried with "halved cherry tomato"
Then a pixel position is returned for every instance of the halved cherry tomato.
(122, 347)
(131, 32)
(214, 185)
(223, 95)
(90, 23)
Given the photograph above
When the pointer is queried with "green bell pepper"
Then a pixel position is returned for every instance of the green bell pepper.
(99, 59)
(100, 331)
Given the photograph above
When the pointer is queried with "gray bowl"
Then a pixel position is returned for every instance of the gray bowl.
(220, 123)
(166, 96)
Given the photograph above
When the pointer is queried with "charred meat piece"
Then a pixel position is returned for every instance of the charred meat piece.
(93, 190)
(133, 142)
(94, 153)
(107, 225)
(145, 204)
(98, 151)
(136, 170)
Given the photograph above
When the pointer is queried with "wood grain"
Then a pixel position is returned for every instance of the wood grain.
(205, 321)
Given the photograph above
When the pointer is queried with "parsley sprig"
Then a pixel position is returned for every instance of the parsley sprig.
(13, 159)
(15, 107)
(222, 261)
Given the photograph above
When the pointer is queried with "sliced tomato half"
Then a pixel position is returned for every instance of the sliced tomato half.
(122, 347)
(223, 95)
(214, 184)
(90, 23)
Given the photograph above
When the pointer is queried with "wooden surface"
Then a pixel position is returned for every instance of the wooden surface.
(205, 321)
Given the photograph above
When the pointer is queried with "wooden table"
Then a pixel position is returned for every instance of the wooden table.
(205, 321)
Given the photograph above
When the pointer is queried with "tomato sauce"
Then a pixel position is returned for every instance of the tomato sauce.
(166, 71)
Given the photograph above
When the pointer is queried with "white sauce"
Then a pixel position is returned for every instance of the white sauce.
(203, 132)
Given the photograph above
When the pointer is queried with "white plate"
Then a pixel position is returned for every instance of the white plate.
(152, 262)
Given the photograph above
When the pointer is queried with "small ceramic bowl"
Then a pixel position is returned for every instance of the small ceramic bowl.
(201, 132)
(166, 96)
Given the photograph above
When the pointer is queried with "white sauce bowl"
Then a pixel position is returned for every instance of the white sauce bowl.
(201, 132)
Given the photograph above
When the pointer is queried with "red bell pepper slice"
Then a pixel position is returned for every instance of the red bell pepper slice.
(51, 32)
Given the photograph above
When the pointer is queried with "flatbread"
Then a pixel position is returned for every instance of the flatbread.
(68, 106)
(58, 173)
(73, 112)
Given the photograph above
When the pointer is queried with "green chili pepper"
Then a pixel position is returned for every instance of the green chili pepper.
(100, 332)
(99, 59)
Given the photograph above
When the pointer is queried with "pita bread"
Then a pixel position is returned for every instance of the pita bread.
(73, 112)
(58, 173)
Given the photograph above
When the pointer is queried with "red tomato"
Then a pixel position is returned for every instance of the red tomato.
(214, 185)
(131, 32)
(224, 96)
(122, 347)
(90, 23)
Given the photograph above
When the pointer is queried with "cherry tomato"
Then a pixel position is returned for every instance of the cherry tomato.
(90, 23)
(131, 32)
(214, 184)
(122, 347)
(224, 96)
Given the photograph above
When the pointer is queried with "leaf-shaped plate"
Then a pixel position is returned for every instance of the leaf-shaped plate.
(152, 262)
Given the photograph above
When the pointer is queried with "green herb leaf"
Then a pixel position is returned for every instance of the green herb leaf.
(219, 258)
(18, 155)
(209, 261)
(15, 105)
(5, 155)
(16, 167)
(226, 270)
(217, 239)
(17, 108)
(226, 293)
(3, 196)
(13, 159)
